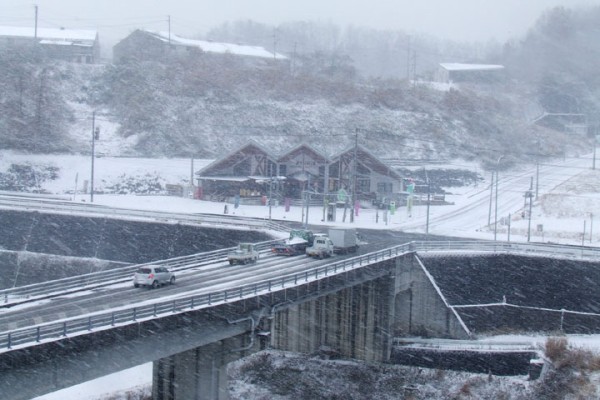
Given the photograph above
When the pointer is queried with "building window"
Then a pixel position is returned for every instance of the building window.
(283, 169)
(363, 185)
(384, 187)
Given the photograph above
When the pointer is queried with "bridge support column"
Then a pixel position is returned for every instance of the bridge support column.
(354, 321)
(201, 373)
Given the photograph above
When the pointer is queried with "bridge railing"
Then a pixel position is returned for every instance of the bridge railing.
(107, 277)
(161, 308)
(128, 315)
(538, 249)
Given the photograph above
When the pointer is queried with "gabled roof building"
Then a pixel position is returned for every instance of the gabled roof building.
(252, 171)
(150, 45)
(74, 45)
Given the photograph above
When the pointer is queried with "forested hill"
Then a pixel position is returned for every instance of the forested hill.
(185, 106)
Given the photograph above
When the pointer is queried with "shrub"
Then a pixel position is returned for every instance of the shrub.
(556, 348)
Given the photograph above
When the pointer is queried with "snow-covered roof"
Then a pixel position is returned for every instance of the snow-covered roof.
(471, 67)
(216, 47)
(52, 34)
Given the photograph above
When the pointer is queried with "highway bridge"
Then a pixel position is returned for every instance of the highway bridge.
(56, 334)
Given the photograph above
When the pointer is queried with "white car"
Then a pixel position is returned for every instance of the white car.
(152, 276)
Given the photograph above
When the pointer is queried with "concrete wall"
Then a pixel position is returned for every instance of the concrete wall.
(354, 322)
(419, 309)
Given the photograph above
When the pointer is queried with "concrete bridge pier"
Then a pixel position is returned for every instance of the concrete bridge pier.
(200, 373)
(355, 322)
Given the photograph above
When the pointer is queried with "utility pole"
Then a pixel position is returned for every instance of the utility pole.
(496, 208)
(594, 132)
(491, 196)
(36, 22)
(408, 60)
(274, 43)
(354, 197)
(537, 170)
(169, 25)
(93, 156)
(192, 174)
(591, 225)
(428, 203)
(529, 194)
(307, 202)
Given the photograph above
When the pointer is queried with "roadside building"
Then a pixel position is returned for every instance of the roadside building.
(242, 173)
(74, 45)
(253, 173)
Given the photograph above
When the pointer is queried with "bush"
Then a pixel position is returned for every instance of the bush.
(556, 348)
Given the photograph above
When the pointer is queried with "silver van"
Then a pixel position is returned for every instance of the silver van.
(152, 276)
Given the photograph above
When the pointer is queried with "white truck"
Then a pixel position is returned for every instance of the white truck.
(245, 253)
(337, 241)
(344, 240)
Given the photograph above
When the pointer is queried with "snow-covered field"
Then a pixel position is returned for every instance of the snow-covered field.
(568, 200)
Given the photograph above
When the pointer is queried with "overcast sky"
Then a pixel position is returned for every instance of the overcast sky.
(462, 20)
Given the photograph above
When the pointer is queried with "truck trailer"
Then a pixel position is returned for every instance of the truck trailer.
(344, 240)
(337, 241)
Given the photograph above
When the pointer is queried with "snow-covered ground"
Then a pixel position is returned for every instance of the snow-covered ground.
(568, 199)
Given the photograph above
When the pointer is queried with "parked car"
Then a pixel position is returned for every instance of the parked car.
(152, 276)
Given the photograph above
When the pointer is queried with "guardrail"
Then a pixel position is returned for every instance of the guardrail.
(128, 315)
(61, 206)
(98, 279)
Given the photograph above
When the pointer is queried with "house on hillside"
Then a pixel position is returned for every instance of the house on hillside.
(473, 73)
(564, 122)
(148, 45)
(253, 172)
(74, 45)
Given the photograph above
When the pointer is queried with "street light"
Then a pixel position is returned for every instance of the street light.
(95, 136)
(496, 210)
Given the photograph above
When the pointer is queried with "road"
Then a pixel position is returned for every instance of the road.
(473, 210)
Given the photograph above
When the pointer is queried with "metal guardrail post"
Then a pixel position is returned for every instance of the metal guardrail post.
(154, 310)
(89, 323)
(174, 306)
(135, 312)
(192, 303)
(225, 296)
(209, 300)
(37, 334)
(65, 328)
(9, 344)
